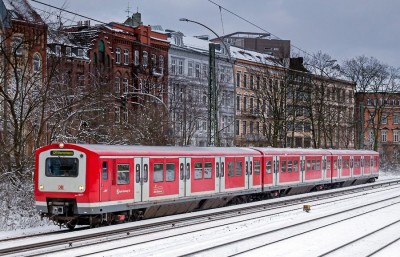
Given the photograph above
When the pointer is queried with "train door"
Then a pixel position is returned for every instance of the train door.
(141, 178)
(105, 180)
(122, 187)
(323, 167)
(256, 180)
(184, 177)
(276, 170)
(335, 167)
(219, 174)
(303, 168)
(187, 171)
(248, 178)
(269, 174)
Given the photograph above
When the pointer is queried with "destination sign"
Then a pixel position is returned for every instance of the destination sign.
(62, 153)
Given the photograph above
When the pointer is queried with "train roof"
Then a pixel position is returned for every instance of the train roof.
(138, 150)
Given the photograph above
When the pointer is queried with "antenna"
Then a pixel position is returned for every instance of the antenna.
(128, 11)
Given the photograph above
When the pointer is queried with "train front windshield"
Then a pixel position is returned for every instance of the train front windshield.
(62, 167)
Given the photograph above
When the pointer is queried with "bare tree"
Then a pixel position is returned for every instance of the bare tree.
(380, 82)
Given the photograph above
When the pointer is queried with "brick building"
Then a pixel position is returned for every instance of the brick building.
(378, 124)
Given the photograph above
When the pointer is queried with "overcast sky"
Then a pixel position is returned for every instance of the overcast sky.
(341, 28)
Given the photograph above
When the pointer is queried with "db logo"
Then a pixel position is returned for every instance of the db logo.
(60, 187)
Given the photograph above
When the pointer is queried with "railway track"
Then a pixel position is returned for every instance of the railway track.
(72, 242)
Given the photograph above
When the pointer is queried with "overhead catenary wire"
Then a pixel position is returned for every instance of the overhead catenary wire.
(257, 26)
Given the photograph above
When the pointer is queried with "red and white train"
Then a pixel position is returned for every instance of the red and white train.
(102, 184)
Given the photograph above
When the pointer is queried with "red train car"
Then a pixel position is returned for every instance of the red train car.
(102, 184)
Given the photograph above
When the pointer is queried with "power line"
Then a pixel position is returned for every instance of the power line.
(64, 10)
(255, 25)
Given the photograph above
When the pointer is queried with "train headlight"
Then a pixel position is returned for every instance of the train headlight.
(41, 187)
(81, 188)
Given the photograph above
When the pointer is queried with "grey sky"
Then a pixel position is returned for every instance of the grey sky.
(342, 28)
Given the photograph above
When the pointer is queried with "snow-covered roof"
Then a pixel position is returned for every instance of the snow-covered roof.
(252, 56)
(22, 10)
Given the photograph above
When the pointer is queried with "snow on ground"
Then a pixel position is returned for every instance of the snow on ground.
(241, 229)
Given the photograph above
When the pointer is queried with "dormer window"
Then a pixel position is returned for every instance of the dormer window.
(58, 50)
(68, 51)
(178, 40)
(80, 52)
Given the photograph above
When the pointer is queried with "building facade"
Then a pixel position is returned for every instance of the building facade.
(189, 91)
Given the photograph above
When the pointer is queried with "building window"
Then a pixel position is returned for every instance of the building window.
(384, 135)
(126, 116)
(117, 115)
(197, 70)
(118, 55)
(161, 64)
(238, 79)
(205, 70)
(80, 52)
(68, 51)
(153, 61)
(180, 67)
(117, 85)
(58, 50)
(145, 59)
(190, 69)
(244, 104)
(136, 57)
(395, 135)
(125, 85)
(245, 80)
(173, 66)
(238, 103)
(251, 81)
(37, 62)
(396, 118)
(17, 45)
(237, 127)
(244, 131)
(126, 56)
(384, 118)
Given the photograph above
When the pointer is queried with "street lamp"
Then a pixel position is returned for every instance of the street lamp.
(213, 132)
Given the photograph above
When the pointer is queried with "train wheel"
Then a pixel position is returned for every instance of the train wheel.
(72, 224)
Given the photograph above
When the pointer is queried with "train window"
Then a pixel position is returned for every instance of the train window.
(158, 172)
(217, 170)
(335, 164)
(62, 167)
(188, 171)
(137, 173)
(295, 165)
(198, 170)
(313, 163)
(318, 165)
(122, 174)
(283, 166)
(146, 173)
(357, 163)
(104, 171)
(308, 165)
(328, 164)
(222, 169)
(170, 173)
(289, 166)
(269, 167)
(346, 163)
(257, 167)
(231, 169)
(181, 171)
(239, 168)
(208, 170)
